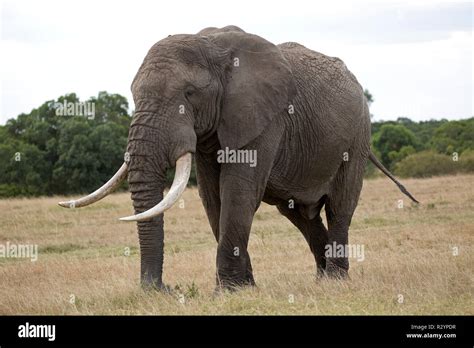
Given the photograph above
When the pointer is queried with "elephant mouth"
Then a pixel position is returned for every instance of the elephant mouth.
(183, 170)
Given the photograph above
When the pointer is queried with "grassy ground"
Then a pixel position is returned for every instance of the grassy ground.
(409, 266)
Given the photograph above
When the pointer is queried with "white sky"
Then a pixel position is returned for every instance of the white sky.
(414, 56)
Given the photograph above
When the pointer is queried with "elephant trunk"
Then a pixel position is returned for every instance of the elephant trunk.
(146, 177)
(153, 147)
(150, 235)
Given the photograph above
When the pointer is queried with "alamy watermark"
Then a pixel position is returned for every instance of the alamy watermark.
(28, 330)
(85, 109)
(335, 250)
(26, 251)
(237, 156)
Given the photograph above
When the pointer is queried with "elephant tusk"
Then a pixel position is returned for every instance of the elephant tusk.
(181, 177)
(100, 193)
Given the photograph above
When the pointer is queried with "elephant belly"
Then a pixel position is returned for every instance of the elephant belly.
(278, 193)
(304, 175)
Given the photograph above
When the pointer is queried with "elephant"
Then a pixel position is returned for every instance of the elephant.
(302, 113)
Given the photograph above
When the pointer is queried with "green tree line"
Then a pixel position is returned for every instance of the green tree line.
(425, 148)
(46, 153)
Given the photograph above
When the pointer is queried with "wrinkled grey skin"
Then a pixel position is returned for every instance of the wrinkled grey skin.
(245, 104)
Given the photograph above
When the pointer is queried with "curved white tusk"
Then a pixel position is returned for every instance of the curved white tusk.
(100, 193)
(181, 177)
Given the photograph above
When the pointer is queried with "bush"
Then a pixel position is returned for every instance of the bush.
(467, 161)
(394, 142)
(429, 163)
(454, 136)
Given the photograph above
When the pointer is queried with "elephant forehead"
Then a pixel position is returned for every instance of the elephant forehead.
(157, 78)
(165, 80)
(184, 48)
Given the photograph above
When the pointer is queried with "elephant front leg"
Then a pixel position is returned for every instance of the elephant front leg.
(234, 268)
(207, 173)
(241, 188)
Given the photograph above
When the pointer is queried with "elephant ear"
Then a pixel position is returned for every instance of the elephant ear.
(258, 87)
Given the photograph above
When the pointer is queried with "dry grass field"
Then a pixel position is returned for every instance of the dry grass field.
(82, 267)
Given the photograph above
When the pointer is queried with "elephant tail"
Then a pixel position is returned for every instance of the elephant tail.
(380, 166)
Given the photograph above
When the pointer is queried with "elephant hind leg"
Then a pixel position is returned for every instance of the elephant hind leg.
(342, 201)
(313, 230)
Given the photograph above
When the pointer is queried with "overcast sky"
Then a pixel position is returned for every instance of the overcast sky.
(415, 57)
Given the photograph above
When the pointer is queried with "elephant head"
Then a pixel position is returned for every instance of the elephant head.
(188, 89)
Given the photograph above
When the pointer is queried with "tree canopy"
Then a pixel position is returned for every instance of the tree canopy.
(50, 154)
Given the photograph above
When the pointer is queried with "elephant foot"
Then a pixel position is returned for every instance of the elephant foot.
(231, 288)
(339, 270)
(320, 273)
(166, 289)
(233, 285)
(156, 286)
(338, 274)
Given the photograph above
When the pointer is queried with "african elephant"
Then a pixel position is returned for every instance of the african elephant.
(301, 113)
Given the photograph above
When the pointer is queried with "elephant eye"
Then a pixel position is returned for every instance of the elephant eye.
(189, 92)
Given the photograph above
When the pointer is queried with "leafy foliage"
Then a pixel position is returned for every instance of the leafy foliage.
(368, 96)
(402, 139)
(455, 136)
(429, 163)
(394, 142)
(45, 154)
